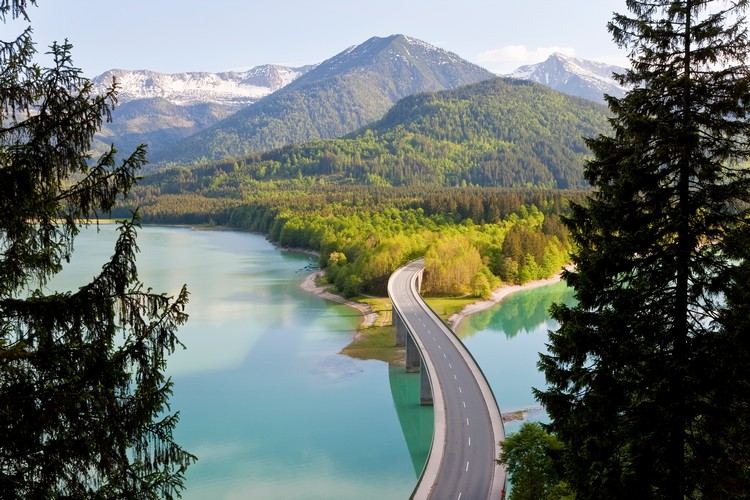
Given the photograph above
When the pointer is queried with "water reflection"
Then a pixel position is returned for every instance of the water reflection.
(416, 421)
(506, 341)
(266, 402)
(520, 312)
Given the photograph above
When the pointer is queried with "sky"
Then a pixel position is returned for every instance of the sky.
(219, 35)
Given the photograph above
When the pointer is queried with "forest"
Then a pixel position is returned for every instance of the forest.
(472, 238)
(500, 132)
(474, 179)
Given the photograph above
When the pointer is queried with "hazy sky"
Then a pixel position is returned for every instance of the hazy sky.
(216, 35)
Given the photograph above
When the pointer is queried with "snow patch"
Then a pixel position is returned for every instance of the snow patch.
(235, 88)
(559, 69)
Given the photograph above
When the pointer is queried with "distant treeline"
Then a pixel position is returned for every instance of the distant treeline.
(472, 238)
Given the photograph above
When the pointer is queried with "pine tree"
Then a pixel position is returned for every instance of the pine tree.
(83, 398)
(647, 374)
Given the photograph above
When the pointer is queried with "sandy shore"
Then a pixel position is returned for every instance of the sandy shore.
(369, 316)
(309, 285)
(497, 296)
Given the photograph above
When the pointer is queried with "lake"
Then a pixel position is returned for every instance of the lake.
(506, 340)
(267, 403)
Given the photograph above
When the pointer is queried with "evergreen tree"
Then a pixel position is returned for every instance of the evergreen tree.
(529, 455)
(635, 370)
(83, 399)
(641, 370)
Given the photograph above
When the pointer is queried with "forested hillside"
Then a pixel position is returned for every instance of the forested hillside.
(458, 176)
(156, 121)
(500, 132)
(364, 233)
(340, 95)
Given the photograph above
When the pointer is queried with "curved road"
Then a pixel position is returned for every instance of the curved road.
(468, 425)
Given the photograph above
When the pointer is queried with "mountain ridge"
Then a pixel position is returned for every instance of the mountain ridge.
(500, 132)
(574, 76)
(341, 94)
(234, 88)
(160, 109)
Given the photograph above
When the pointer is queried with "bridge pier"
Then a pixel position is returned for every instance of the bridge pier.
(413, 358)
(401, 330)
(425, 389)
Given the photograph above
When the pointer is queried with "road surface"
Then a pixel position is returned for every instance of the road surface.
(468, 424)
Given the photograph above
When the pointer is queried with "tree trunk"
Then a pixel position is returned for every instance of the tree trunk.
(684, 250)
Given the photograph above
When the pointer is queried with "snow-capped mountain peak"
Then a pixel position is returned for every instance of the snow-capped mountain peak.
(232, 88)
(445, 56)
(578, 77)
(410, 64)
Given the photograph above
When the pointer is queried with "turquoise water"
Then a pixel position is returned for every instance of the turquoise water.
(506, 341)
(267, 403)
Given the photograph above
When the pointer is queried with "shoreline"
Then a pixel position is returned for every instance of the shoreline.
(498, 295)
(369, 318)
(454, 322)
(368, 315)
(309, 285)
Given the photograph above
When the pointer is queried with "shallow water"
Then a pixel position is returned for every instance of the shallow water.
(506, 341)
(266, 402)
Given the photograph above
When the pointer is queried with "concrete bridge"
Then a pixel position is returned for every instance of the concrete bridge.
(468, 425)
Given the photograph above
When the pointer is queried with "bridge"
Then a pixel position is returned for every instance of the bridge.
(468, 425)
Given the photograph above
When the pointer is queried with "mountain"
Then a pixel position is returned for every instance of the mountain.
(160, 109)
(231, 88)
(338, 96)
(577, 77)
(156, 122)
(500, 132)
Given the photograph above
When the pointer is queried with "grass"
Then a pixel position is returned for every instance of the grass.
(377, 342)
(445, 307)
(381, 306)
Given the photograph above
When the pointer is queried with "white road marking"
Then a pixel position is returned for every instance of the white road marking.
(467, 466)
(459, 389)
(446, 357)
(454, 377)
(467, 421)
(450, 366)
(464, 402)
(439, 346)
(469, 440)
(459, 496)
